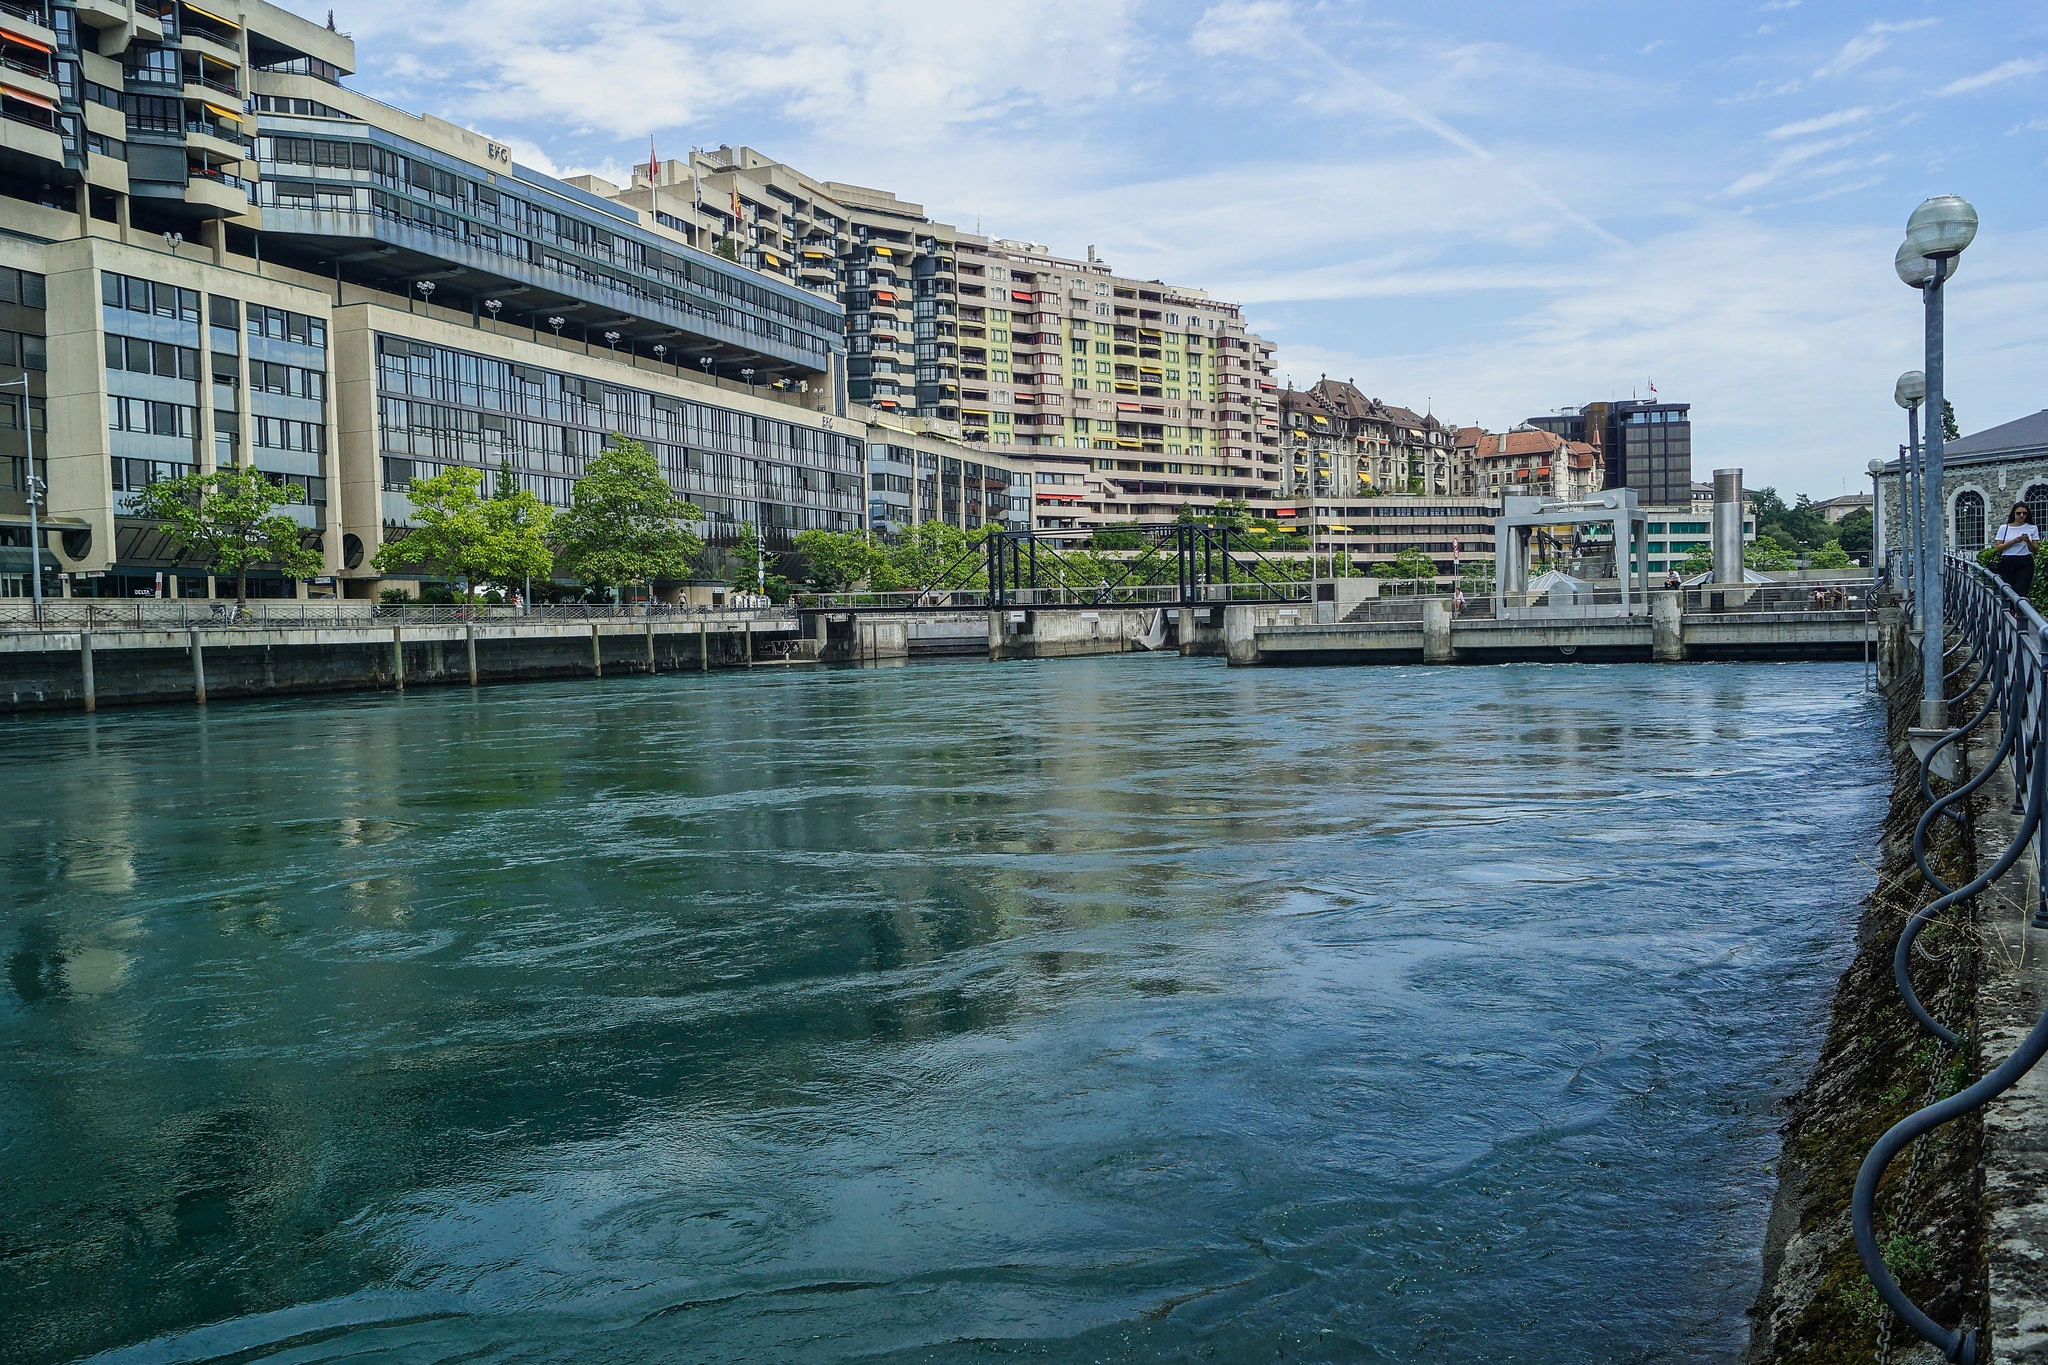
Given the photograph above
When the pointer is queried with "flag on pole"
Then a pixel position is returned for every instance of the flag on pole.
(739, 213)
(653, 161)
(1653, 386)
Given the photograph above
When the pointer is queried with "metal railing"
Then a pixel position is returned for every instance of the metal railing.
(196, 613)
(2007, 641)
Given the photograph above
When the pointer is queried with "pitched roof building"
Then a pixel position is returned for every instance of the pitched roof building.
(1338, 442)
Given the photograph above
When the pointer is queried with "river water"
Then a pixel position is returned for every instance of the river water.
(1102, 1010)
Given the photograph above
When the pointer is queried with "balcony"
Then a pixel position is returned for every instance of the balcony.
(37, 83)
(216, 141)
(216, 195)
(22, 133)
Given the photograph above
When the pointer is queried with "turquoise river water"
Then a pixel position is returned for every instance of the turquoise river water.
(1104, 1010)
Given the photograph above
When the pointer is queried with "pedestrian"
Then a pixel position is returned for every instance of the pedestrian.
(1457, 601)
(2016, 541)
(1672, 582)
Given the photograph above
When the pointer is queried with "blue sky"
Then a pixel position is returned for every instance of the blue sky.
(1494, 209)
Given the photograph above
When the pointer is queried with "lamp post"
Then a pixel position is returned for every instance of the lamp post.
(705, 361)
(1937, 233)
(492, 306)
(611, 340)
(747, 373)
(1877, 545)
(660, 354)
(556, 323)
(35, 488)
(426, 288)
(1909, 393)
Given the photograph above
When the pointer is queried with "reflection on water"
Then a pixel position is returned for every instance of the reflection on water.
(1122, 1009)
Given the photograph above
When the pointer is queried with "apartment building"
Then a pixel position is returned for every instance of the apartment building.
(1455, 531)
(1172, 399)
(216, 254)
(1338, 443)
(1543, 463)
(891, 267)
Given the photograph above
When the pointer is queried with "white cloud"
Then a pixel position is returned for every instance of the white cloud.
(2004, 71)
(1783, 163)
(1840, 118)
(1776, 5)
(1864, 46)
(1647, 48)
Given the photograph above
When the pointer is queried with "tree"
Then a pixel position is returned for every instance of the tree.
(1853, 533)
(229, 518)
(747, 567)
(835, 560)
(1767, 555)
(625, 524)
(1949, 430)
(459, 533)
(1409, 566)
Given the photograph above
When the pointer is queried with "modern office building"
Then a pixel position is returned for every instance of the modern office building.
(215, 253)
(1644, 444)
(918, 473)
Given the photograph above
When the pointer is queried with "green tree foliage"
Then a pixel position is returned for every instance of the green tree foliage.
(833, 561)
(1853, 534)
(230, 520)
(1409, 566)
(1949, 430)
(459, 533)
(626, 525)
(1829, 556)
(1233, 514)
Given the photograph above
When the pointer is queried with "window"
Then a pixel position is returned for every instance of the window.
(2037, 503)
(142, 296)
(24, 287)
(1970, 521)
(151, 357)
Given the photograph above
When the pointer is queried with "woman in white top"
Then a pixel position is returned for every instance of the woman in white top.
(2016, 541)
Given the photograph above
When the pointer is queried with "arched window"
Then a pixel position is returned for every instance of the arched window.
(1969, 521)
(2037, 503)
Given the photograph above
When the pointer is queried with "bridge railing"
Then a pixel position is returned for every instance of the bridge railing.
(2001, 640)
(99, 614)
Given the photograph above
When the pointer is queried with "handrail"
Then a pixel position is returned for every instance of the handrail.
(2011, 638)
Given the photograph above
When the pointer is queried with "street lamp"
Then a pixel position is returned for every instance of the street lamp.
(174, 240)
(1937, 233)
(1909, 393)
(1878, 549)
(611, 340)
(426, 288)
(660, 354)
(705, 361)
(492, 306)
(747, 373)
(556, 323)
(35, 488)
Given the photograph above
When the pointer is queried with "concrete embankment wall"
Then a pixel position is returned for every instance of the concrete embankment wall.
(49, 671)
(1875, 1067)
(1028, 634)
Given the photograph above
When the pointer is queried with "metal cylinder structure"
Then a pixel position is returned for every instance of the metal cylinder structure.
(1727, 526)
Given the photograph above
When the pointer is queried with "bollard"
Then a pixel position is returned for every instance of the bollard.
(1667, 628)
(1436, 632)
(398, 656)
(650, 646)
(471, 641)
(85, 669)
(198, 671)
(596, 653)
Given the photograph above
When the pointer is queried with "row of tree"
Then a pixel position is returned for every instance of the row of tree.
(626, 527)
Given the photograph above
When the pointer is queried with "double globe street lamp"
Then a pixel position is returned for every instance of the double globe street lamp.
(1909, 393)
(1937, 233)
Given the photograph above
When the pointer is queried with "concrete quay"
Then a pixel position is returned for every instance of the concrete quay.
(1269, 634)
(63, 669)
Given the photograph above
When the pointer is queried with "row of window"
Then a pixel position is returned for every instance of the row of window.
(418, 370)
(130, 293)
(289, 380)
(137, 295)
(283, 433)
(151, 418)
(132, 476)
(152, 357)
(24, 349)
(10, 413)
(415, 176)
